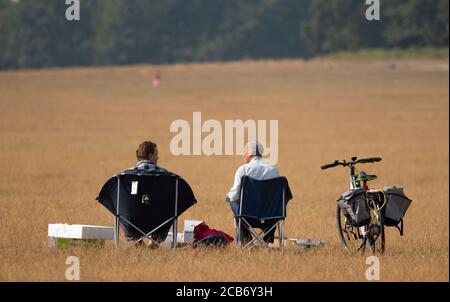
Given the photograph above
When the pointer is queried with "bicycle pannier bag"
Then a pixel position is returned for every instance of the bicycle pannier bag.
(354, 206)
(396, 207)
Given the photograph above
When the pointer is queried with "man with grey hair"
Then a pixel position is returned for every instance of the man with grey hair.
(254, 167)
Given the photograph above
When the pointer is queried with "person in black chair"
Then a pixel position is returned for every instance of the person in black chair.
(147, 157)
(146, 200)
(254, 167)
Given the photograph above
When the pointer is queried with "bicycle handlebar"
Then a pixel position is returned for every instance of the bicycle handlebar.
(327, 166)
(351, 163)
(368, 160)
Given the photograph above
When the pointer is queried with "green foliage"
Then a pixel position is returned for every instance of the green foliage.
(393, 53)
(35, 34)
(417, 23)
(341, 25)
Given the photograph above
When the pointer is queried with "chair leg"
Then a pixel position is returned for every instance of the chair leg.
(279, 234)
(258, 239)
(238, 230)
(282, 235)
(236, 234)
(116, 232)
(175, 233)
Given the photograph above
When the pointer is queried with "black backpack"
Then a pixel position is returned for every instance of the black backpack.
(211, 241)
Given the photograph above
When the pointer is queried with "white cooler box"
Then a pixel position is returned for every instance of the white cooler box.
(61, 235)
(189, 226)
(187, 237)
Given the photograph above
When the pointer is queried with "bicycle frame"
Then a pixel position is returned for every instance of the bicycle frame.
(354, 183)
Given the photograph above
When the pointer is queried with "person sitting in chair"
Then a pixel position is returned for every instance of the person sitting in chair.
(254, 167)
(146, 199)
(147, 157)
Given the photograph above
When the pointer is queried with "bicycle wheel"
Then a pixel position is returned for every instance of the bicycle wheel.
(351, 236)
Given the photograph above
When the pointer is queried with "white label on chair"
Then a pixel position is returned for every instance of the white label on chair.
(134, 187)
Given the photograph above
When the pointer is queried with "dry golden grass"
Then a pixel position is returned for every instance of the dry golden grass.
(63, 133)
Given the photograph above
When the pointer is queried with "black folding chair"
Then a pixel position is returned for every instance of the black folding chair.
(262, 204)
(146, 204)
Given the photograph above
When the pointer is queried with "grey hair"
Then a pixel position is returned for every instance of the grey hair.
(254, 148)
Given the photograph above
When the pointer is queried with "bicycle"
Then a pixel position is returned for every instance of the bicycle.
(365, 224)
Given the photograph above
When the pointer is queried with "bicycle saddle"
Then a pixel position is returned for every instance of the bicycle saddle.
(363, 176)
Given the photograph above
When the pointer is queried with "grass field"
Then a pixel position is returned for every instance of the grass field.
(64, 132)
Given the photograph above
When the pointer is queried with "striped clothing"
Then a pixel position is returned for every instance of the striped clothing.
(148, 166)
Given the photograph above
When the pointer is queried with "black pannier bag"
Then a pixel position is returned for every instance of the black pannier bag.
(396, 207)
(353, 204)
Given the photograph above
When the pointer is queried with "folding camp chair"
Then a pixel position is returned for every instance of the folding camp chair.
(262, 204)
(146, 204)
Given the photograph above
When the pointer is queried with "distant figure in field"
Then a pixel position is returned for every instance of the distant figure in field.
(254, 167)
(157, 79)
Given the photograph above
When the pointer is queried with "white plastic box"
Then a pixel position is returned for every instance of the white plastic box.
(189, 226)
(187, 237)
(67, 234)
(169, 238)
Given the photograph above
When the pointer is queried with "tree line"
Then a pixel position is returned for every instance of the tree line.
(35, 33)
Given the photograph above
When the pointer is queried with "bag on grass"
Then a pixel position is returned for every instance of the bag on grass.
(206, 237)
